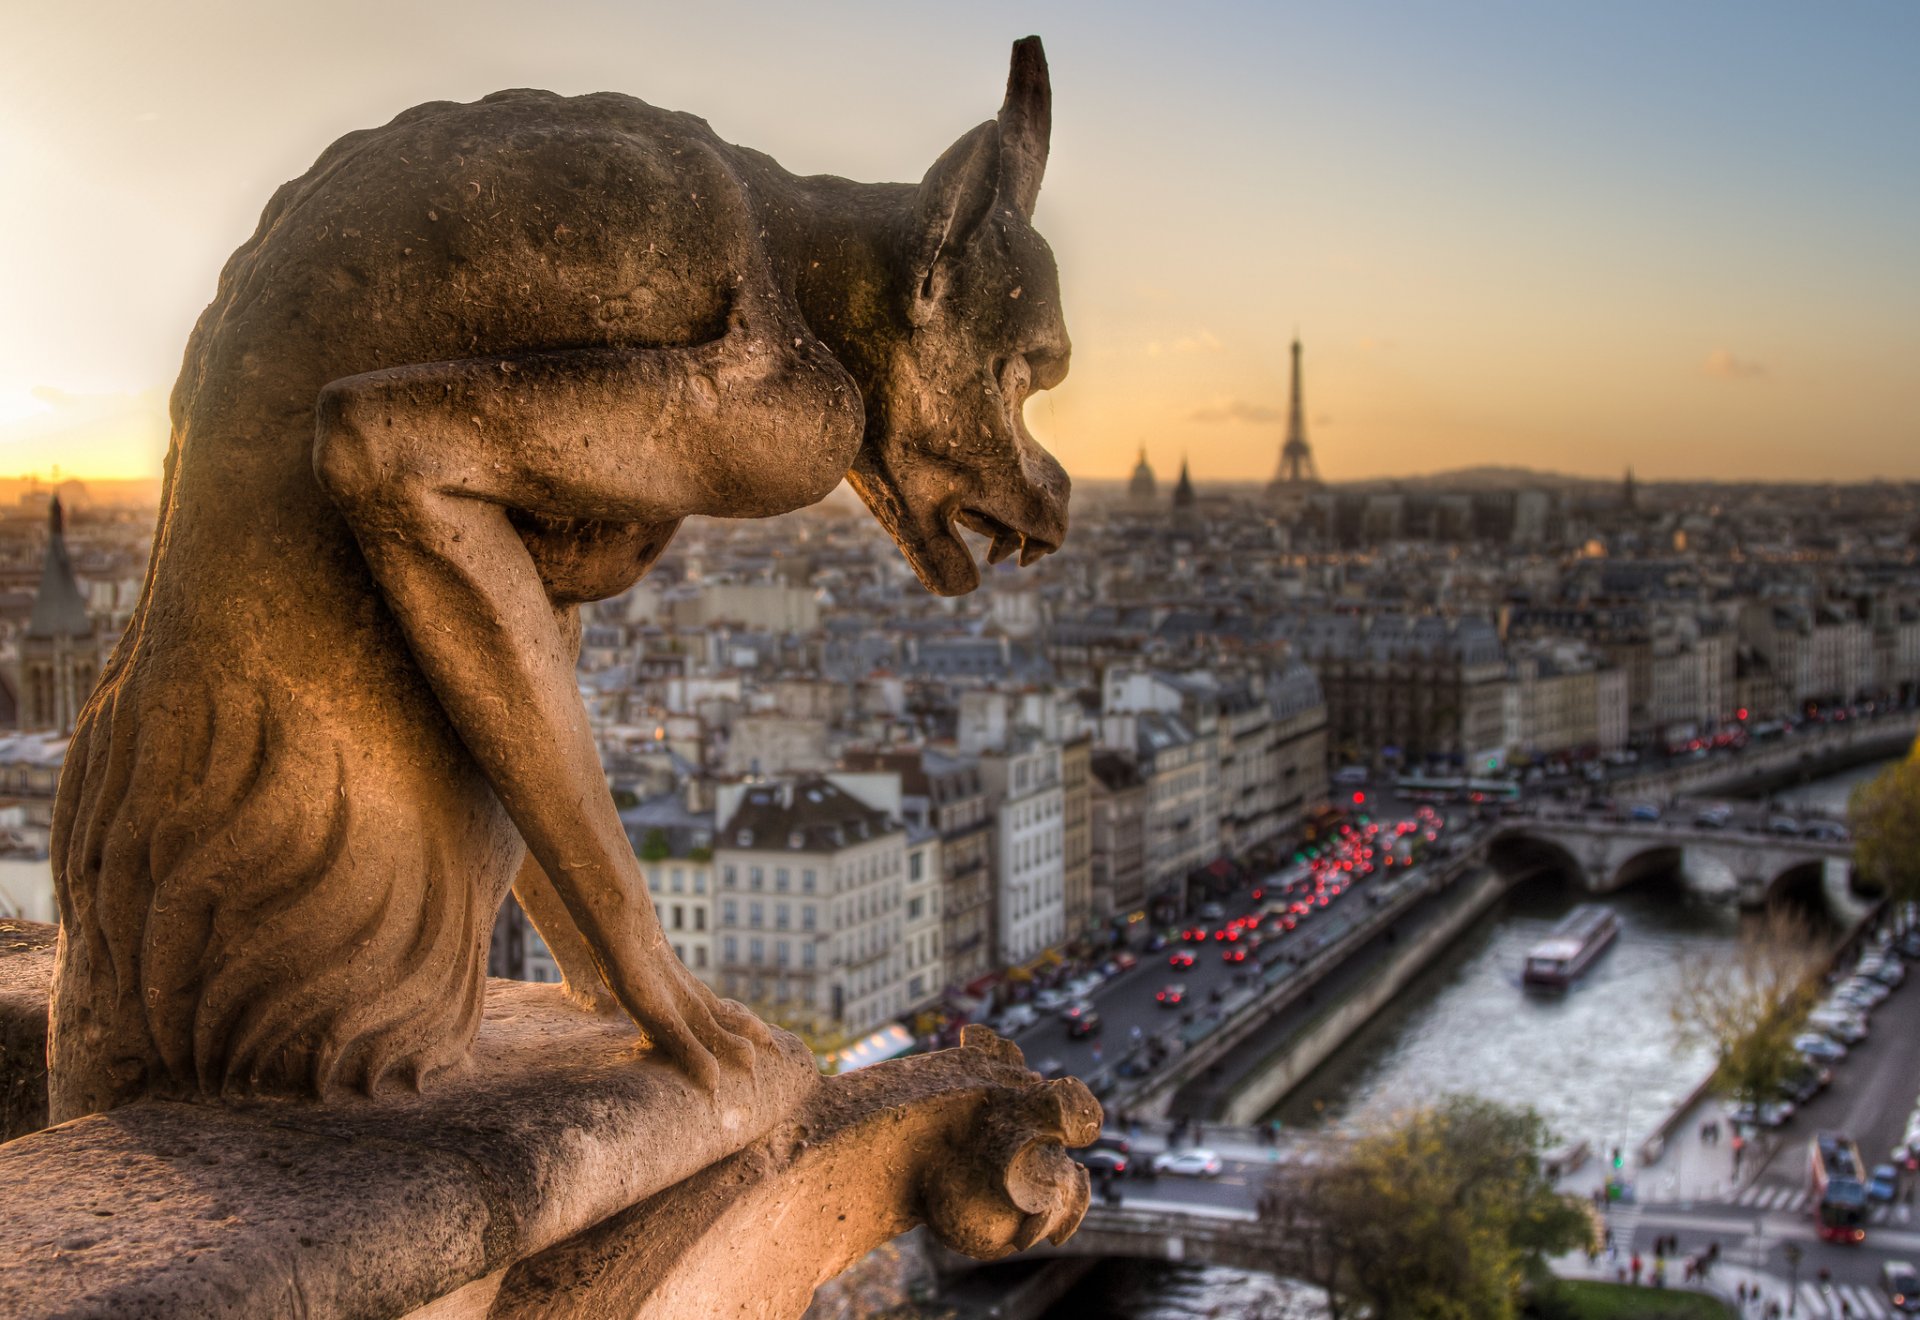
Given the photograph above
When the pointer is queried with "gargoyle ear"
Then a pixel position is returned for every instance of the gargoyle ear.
(954, 198)
(1026, 125)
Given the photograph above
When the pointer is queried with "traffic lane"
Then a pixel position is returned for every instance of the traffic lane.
(1238, 1187)
(1129, 1000)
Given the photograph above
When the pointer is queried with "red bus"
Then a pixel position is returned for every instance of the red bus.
(1839, 1187)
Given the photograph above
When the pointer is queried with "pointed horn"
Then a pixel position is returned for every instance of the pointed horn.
(1026, 125)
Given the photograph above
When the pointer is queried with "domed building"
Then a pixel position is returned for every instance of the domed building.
(1142, 488)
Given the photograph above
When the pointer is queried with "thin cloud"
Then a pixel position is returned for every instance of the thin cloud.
(1723, 364)
(1235, 410)
(1203, 341)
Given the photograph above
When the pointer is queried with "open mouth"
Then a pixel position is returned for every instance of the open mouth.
(1005, 538)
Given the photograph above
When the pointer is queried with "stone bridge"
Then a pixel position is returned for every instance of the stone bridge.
(1200, 1234)
(1605, 855)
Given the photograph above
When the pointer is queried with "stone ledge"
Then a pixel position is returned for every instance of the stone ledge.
(562, 1173)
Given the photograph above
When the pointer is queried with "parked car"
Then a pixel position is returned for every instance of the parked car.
(1886, 971)
(1199, 1162)
(1884, 1185)
(1848, 1028)
(1821, 1049)
(1902, 1284)
(1782, 825)
(1769, 1114)
(1052, 1000)
(1714, 817)
(1644, 811)
(1826, 831)
(1864, 990)
(1804, 1083)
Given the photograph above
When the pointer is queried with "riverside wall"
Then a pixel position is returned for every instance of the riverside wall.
(1295, 1058)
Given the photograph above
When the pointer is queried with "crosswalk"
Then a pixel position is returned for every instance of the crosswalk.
(1793, 1200)
(1843, 1299)
(1761, 1196)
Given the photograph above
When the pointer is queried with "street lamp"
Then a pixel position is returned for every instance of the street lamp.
(1793, 1278)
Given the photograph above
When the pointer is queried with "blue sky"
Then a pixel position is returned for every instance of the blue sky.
(1681, 236)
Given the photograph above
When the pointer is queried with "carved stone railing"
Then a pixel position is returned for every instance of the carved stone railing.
(564, 1173)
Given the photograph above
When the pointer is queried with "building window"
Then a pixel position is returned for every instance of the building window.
(728, 877)
(916, 866)
(729, 912)
(806, 916)
(757, 954)
(700, 956)
(780, 915)
(700, 881)
(755, 915)
(806, 955)
(807, 881)
(730, 950)
(679, 880)
(699, 918)
(780, 879)
(756, 878)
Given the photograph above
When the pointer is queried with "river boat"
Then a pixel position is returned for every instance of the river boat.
(1557, 961)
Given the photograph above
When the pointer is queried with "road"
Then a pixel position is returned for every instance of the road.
(1128, 1000)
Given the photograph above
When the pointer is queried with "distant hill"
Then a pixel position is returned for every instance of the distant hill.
(101, 492)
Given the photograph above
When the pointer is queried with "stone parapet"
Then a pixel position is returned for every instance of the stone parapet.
(566, 1171)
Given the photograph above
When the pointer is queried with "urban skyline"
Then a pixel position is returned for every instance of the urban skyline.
(1569, 240)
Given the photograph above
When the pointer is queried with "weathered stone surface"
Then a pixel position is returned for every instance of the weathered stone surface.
(366, 1207)
(564, 1174)
(967, 1141)
(472, 370)
(26, 967)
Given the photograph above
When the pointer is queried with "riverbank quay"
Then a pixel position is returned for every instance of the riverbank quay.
(1766, 767)
(1260, 1075)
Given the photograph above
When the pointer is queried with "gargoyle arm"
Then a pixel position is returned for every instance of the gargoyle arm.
(425, 461)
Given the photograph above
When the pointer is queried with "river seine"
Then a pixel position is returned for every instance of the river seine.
(1600, 1062)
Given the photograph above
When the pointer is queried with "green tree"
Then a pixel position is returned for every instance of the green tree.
(1747, 1005)
(1885, 814)
(1443, 1214)
(654, 846)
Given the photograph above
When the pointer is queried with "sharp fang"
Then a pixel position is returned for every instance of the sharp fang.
(1004, 544)
(1029, 551)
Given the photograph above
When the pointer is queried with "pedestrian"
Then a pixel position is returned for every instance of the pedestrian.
(1635, 1264)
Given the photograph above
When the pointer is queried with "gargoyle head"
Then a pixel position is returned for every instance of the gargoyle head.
(978, 330)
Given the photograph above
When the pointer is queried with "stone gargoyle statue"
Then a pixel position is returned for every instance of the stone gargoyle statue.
(472, 370)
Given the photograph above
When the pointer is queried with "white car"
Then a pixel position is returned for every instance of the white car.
(1018, 1017)
(1198, 1162)
(1848, 1028)
(1820, 1048)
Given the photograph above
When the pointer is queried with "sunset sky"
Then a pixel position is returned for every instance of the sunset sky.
(1684, 237)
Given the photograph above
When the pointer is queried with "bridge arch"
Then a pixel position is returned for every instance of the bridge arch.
(1658, 861)
(1518, 854)
(1802, 884)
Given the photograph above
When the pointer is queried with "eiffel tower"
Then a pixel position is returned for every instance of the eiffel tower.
(1297, 472)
